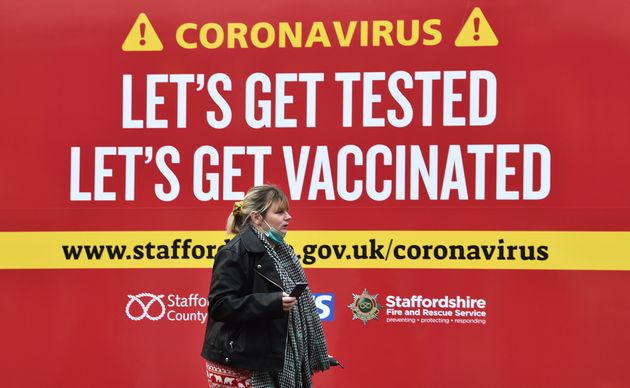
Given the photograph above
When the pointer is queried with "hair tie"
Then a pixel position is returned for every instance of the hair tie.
(237, 209)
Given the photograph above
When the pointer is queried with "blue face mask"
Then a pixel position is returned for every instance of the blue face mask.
(273, 235)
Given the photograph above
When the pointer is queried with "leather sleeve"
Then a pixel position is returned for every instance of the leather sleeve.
(230, 298)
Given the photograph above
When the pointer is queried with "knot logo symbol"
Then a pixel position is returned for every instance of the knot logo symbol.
(145, 300)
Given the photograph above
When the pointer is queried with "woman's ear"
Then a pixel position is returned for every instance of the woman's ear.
(256, 218)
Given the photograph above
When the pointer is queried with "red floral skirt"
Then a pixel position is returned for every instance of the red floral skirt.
(221, 376)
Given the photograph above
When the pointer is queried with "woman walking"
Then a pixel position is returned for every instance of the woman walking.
(257, 335)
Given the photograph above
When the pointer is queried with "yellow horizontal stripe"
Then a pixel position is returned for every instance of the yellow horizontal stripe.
(344, 249)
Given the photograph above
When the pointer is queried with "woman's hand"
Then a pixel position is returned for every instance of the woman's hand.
(288, 301)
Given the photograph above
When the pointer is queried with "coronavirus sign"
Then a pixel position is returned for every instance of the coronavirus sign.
(457, 175)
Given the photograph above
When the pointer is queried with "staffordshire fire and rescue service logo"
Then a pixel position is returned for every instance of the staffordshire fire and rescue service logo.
(364, 307)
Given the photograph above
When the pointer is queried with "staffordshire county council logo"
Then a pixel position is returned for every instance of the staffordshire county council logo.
(364, 307)
(150, 299)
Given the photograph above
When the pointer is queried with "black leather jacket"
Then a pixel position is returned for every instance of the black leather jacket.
(247, 327)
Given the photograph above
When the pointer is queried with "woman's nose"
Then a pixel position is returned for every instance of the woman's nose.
(287, 216)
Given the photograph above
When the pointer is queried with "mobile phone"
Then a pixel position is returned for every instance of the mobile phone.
(298, 289)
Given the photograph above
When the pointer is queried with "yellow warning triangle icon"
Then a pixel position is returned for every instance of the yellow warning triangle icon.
(476, 32)
(142, 36)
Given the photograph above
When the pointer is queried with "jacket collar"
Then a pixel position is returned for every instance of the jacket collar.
(251, 242)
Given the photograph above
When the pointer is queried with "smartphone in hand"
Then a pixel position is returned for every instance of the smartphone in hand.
(298, 290)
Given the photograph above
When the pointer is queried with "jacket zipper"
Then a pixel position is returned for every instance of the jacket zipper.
(269, 280)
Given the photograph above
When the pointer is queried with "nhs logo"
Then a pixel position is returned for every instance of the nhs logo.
(325, 304)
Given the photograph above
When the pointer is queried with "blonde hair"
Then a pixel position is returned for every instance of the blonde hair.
(258, 199)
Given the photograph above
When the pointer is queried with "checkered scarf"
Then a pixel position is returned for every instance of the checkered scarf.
(306, 351)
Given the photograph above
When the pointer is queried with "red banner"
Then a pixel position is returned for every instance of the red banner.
(457, 175)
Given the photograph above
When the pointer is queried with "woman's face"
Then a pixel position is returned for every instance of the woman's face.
(278, 218)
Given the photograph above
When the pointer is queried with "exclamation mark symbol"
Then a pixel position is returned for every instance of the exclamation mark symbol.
(142, 36)
(476, 32)
(476, 22)
(143, 29)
